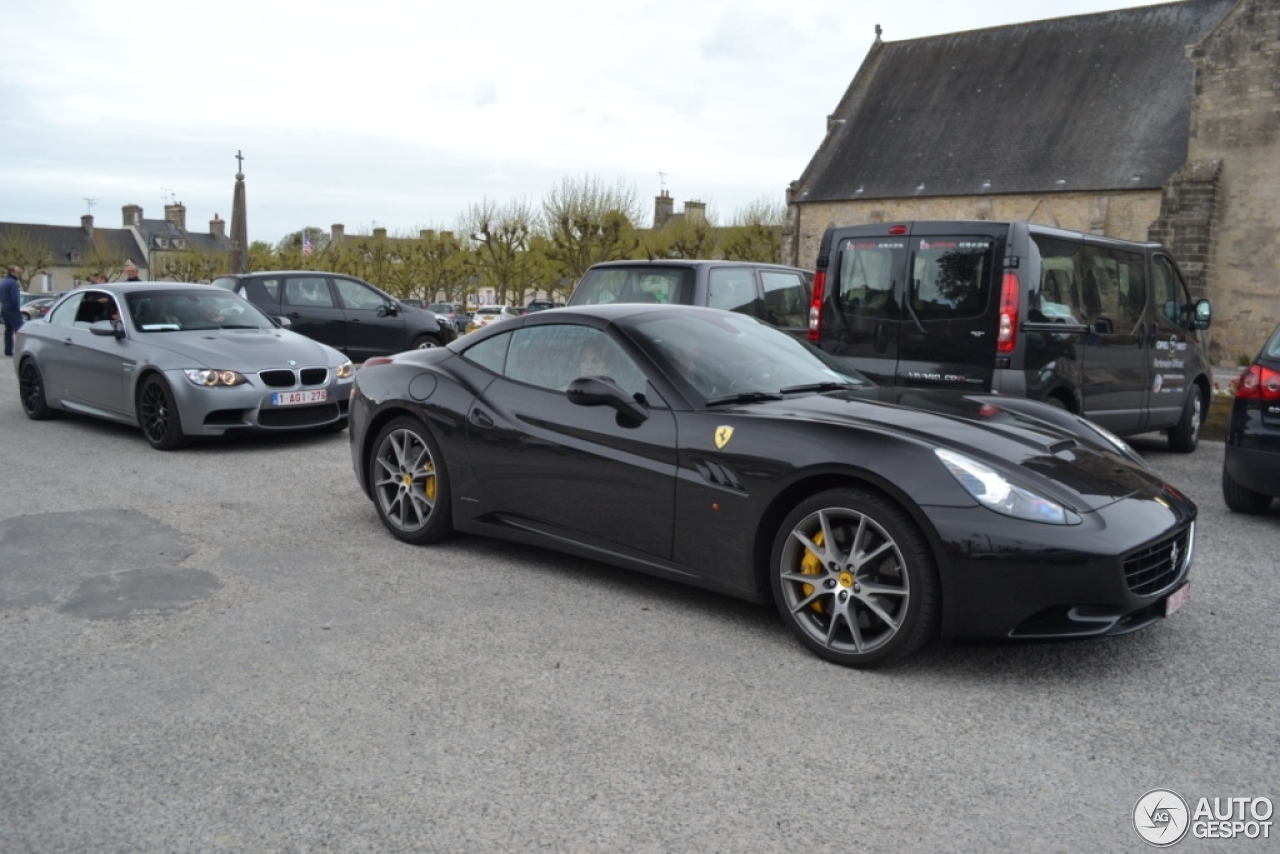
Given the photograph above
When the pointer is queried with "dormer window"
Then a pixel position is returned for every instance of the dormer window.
(73, 257)
(162, 243)
(179, 243)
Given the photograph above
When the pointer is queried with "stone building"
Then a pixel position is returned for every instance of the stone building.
(1155, 123)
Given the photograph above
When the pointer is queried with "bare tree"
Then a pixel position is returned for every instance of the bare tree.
(501, 238)
(586, 222)
(756, 232)
(33, 256)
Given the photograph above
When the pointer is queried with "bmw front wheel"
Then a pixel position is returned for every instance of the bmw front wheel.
(854, 578)
(158, 415)
(410, 485)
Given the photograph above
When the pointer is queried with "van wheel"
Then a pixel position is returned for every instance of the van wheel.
(1184, 437)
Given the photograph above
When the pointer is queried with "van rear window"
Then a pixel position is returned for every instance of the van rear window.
(642, 283)
(951, 276)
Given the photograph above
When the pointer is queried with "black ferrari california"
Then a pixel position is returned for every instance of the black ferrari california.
(710, 448)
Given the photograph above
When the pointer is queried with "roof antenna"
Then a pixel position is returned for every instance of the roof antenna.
(91, 203)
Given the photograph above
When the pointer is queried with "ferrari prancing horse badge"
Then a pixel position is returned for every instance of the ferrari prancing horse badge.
(723, 435)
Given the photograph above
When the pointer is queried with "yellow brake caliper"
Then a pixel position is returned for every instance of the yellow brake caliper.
(429, 488)
(811, 564)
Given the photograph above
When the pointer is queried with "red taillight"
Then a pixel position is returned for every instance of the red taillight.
(1007, 334)
(815, 306)
(1259, 383)
(897, 229)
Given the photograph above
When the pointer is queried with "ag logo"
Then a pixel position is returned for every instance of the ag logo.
(1161, 818)
(723, 435)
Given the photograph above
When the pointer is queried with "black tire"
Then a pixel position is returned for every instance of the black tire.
(1184, 437)
(158, 415)
(1241, 499)
(1057, 403)
(31, 391)
(871, 600)
(426, 342)
(409, 483)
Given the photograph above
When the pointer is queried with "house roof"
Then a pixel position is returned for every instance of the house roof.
(1087, 103)
(64, 240)
(168, 230)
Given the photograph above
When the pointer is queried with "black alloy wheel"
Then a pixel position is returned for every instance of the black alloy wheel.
(158, 415)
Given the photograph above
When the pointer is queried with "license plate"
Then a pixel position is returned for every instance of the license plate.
(1177, 599)
(294, 398)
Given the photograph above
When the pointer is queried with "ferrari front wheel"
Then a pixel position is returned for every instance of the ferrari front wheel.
(854, 579)
(410, 486)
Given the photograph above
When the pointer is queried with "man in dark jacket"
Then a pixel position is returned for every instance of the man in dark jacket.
(11, 306)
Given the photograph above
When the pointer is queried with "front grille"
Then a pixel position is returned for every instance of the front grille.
(1157, 566)
(314, 376)
(299, 416)
(287, 378)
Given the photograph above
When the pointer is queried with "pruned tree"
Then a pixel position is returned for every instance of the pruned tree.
(586, 222)
(756, 232)
(500, 237)
(108, 263)
(193, 265)
(262, 256)
(33, 256)
(687, 237)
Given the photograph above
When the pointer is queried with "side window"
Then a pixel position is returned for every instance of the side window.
(1114, 289)
(358, 295)
(733, 289)
(951, 276)
(65, 313)
(263, 292)
(490, 354)
(552, 356)
(1172, 302)
(786, 298)
(1057, 298)
(307, 291)
(866, 270)
(95, 307)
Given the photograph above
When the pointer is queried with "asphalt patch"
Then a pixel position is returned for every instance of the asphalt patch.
(98, 565)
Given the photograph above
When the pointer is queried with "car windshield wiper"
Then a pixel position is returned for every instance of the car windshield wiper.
(744, 397)
(825, 386)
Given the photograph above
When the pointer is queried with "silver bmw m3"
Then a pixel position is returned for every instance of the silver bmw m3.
(179, 361)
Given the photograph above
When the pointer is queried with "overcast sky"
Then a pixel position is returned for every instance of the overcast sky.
(402, 115)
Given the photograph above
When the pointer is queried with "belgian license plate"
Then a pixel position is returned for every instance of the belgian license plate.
(1177, 599)
(294, 398)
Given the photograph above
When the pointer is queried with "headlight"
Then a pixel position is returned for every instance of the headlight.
(212, 378)
(994, 491)
(345, 371)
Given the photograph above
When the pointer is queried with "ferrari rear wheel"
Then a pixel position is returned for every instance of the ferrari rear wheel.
(410, 485)
(854, 578)
(158, 415)
(31, 391)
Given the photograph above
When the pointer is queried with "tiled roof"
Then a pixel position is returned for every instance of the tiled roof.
(65, 240)
(1093, 102)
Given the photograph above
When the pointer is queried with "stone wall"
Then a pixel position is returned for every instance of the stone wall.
(1125, 215)
(1235, 119)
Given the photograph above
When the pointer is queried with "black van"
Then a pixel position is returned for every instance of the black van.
(1105, 328)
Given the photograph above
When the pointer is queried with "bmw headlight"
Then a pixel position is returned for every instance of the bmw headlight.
(212, 378)
(996, 492)
(346, 370)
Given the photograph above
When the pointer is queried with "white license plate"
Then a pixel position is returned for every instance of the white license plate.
(294, 398)
(1177, 599)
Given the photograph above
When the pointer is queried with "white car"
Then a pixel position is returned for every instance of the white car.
(489, 314)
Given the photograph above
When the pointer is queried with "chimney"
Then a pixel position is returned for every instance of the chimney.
(662, 209)
(132, 215)
(695, 211)
(380, 234)
(426, 234)
(176, 213)
(336, 232)
(86, 222)
(218, 227)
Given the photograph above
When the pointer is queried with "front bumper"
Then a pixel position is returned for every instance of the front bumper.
(251, 407)
(1110, 575)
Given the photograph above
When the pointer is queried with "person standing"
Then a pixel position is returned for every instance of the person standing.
(11, 306)
(131, 272)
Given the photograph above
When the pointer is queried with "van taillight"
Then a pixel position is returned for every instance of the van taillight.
(815, 307)
(1007, 334)
(1258, 383)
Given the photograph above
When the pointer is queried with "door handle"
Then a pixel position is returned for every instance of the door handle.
(881, 334)
(480, 418)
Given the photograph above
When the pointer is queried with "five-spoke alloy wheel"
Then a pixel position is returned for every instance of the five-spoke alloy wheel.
(410, 485)
(854, 578)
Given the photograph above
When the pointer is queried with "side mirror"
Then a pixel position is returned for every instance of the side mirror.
(602, 391)
(1204, 314)
(282, 321)
(388, 310)
(107, 328)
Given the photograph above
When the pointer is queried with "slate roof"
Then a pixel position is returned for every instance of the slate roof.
(150, 229)
(1087, 103)
(67, 239)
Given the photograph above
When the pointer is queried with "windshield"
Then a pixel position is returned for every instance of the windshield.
(640, 283)
(174, 311)
(724, 355)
